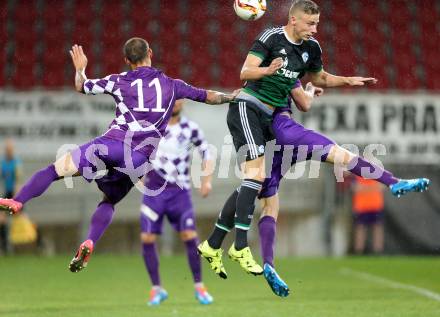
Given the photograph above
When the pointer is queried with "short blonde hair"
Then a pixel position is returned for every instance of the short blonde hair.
(306, 6)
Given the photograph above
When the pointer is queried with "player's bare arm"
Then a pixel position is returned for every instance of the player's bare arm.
(304, 97)
(79, 60)
(324, 79)
(251, 69)
(218, 98)
(208, 169)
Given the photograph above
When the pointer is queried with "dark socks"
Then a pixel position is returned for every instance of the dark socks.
(245, 209)
(225, 222)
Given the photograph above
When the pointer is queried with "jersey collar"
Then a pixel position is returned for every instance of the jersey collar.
(287, 37)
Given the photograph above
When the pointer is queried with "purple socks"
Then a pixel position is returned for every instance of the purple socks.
(267, 230)
(37, 184)
(151, 260)
(194, 259)
(101, 219)
(366, 169)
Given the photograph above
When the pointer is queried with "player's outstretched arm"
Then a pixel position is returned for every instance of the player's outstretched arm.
(218, 98)
(304, 97)
(251, 69)
(79, 60)
(324, 79)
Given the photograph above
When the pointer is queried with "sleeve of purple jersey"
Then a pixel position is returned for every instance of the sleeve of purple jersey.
(288, 108)
(198, 139)
(183, 90)
(100, 86)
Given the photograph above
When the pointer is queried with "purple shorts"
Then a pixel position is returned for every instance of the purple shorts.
(108, 154)
(307, 144)
(173, 202)
(368, 218)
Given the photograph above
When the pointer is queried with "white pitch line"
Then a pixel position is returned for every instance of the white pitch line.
(380, 280)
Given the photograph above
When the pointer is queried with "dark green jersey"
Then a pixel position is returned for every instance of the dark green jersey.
(299, 58)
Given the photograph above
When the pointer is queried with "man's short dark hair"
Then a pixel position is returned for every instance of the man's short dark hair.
(306, 6)
(136, 50)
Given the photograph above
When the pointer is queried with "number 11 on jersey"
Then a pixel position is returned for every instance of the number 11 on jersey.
(141, 106)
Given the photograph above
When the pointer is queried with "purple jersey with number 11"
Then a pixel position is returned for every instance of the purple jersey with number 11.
(144, 100)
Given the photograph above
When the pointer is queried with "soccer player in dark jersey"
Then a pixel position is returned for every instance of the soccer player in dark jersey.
(170, 180)
(144, 97)
(277, 59)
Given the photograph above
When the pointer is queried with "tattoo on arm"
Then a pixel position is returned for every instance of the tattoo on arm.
(217, 98)
(225, 97)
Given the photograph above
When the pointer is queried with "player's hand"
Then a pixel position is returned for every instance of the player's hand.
(79, 59)
(313, 90)
(361, 81)
(276, 64)
(205, 189)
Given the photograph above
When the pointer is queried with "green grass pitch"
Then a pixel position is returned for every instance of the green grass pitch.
(118, 286)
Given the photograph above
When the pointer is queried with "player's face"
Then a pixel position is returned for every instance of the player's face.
(178, 105)
(305, 25)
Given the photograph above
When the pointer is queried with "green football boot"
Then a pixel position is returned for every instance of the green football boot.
(246, 260)
(214, 257)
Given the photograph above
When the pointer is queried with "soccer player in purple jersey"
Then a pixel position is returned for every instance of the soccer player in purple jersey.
(144, 97)
(311, 145)
(170, 178)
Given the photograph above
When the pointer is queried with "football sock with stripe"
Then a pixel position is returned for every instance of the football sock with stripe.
(225, 221)
(245, 209)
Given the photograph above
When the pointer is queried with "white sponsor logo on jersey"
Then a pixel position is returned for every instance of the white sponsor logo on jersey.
(305, 57)
(283, 51)
(286, 72)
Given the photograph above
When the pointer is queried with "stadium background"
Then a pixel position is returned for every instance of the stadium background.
(204, 43)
